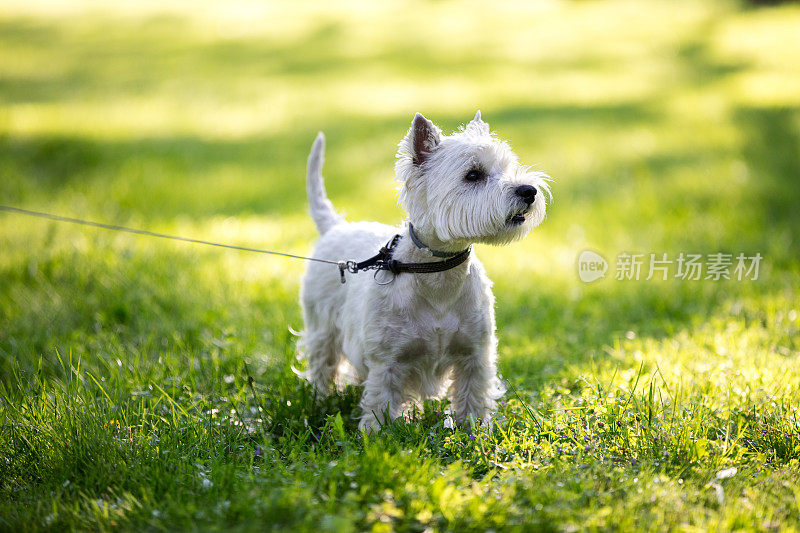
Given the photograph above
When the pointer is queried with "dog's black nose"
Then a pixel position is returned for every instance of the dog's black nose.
(527, 193)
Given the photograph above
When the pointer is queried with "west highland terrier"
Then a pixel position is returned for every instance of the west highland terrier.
(423, 324)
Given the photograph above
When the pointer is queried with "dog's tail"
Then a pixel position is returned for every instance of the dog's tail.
(322, 211)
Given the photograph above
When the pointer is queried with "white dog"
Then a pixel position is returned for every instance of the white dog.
(423, 324)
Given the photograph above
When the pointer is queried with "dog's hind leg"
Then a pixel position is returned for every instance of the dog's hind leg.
(322, 355)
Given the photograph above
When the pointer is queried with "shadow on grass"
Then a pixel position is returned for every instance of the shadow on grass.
(163, 177)
(772, 149)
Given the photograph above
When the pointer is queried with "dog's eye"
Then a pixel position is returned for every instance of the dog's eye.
(474, 174)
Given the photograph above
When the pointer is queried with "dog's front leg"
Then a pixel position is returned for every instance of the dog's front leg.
(475, 387)
(383, 394)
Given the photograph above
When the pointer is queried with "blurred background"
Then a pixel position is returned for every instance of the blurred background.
(668, 127)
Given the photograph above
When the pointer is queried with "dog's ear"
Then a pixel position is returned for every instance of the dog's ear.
(478, 125)
(423, 137)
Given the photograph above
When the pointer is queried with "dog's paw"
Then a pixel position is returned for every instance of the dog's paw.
(471, 422)
(369, 423)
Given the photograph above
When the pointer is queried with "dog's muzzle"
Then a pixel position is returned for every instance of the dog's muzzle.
(526, 193)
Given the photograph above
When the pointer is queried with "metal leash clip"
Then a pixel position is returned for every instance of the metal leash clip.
(347, 266)
(353, 268)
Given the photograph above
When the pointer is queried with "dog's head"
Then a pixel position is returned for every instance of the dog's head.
(468, 186)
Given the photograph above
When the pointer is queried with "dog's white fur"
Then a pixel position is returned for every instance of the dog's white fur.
(422, 334)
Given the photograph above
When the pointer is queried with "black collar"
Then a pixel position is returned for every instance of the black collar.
(435, 253)
(383, 261)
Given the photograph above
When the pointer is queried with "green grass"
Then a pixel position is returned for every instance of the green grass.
(146, 384)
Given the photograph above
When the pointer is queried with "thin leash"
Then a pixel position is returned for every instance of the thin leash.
(382, 261)
(136, 231)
